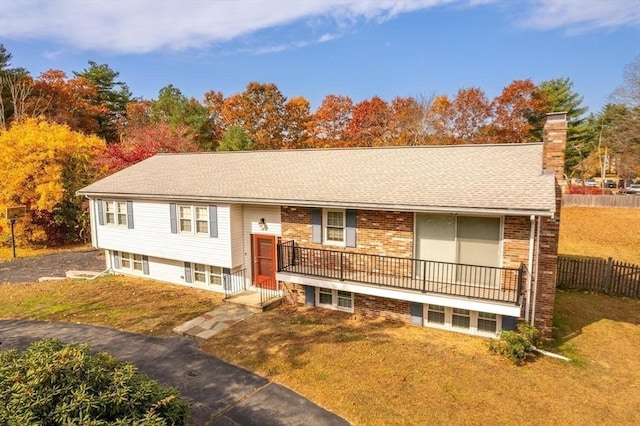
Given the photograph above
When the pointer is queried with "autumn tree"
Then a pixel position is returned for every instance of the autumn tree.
(110, 99)
(515, 110)
(297, 116)
(328, 125)
(45, 165)
(67, 101)
(407, 121)
(369, 124)
(462, 119)
(144, 142)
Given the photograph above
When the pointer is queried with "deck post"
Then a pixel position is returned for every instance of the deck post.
(424, 276)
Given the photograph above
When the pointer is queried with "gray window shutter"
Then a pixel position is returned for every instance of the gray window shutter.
(316, 225)
(145, 265)
(416, 313)
(213, 221)
(130, 214)
(509, 323)
(116, 259)
(173, 218)
(226, 279)
(309, 295)
(100, 212)
(350, 229)
(187, 271)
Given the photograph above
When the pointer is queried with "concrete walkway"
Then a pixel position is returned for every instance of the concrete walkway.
(221, 394)
(206, 325)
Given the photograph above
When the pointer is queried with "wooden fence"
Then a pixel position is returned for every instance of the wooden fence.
(600, 275)
(625, 201)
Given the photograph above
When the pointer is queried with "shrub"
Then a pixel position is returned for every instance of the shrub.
(515, 345)
(50, 383)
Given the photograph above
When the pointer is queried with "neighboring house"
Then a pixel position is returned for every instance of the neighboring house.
(457, 237)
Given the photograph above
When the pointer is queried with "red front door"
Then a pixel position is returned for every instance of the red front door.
(264, 261)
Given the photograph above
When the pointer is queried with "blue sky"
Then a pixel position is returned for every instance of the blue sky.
(312, 48)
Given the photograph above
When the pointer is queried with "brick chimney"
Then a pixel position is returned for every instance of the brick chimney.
(555, 143)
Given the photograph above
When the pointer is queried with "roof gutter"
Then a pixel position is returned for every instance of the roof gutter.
(327, 204)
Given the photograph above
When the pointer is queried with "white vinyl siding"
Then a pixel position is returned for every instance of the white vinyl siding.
(152, 236)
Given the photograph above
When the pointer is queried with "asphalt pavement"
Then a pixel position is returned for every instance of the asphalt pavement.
(221, 393)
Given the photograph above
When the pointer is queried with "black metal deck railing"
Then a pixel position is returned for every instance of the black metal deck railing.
(233, 283)
(473, 281)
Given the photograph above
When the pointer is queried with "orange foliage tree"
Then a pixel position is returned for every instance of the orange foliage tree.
(516, 110)
(45, 164)
(369, 125)
(328, 126)
(67, 101)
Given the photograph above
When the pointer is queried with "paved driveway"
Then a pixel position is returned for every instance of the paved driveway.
(222, 394)
(29, 269)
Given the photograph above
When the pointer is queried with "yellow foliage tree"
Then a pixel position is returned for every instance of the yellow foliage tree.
(43, 165)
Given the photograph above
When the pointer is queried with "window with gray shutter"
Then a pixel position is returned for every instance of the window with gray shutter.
(350, 229)
(100, 212)
(213, 221)
(187, 272)
(145, 265)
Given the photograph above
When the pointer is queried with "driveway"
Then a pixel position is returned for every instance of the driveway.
(29, 269)
(222, 394)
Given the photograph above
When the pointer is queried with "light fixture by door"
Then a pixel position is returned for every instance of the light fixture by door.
(262, 224)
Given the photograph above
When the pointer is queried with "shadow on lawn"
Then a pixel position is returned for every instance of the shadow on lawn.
(575, 310)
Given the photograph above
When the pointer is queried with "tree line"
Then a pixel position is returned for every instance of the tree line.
(59, 132)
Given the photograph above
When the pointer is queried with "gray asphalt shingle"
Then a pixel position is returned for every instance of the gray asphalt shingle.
(460, 177)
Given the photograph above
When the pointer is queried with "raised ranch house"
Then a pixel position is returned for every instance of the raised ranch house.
(457, 237)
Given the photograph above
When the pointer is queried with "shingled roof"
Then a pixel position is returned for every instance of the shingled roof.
(505, 178)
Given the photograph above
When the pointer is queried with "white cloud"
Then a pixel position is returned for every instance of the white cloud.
(577, 16)
(142, 26)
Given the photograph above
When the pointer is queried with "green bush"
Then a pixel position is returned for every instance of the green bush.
(53, 384)
(515, 345)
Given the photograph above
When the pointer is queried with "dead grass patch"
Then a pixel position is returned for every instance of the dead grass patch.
(601, 232)
(126, 303)
(377, 372)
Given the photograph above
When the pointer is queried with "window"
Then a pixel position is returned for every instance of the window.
(435, 314)
(464, 320)
(345, 300)
(122, 213)
(116, 213)
(334, 229)
(110, 217)
(133, 262)
(190, 215)
(487, 322)
(460, 318)
(202, 220)
(125, 260)
(205, 274)
(215, 275)
(465, 240)
(334, 299)
(185, 218)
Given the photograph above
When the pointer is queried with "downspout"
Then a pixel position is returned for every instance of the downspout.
(535, 281)
(532, 218)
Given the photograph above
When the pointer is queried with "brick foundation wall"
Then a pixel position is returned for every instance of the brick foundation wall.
(365, 306)
(373, 307)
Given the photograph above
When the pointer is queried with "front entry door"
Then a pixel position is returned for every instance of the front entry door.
(264, 261)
